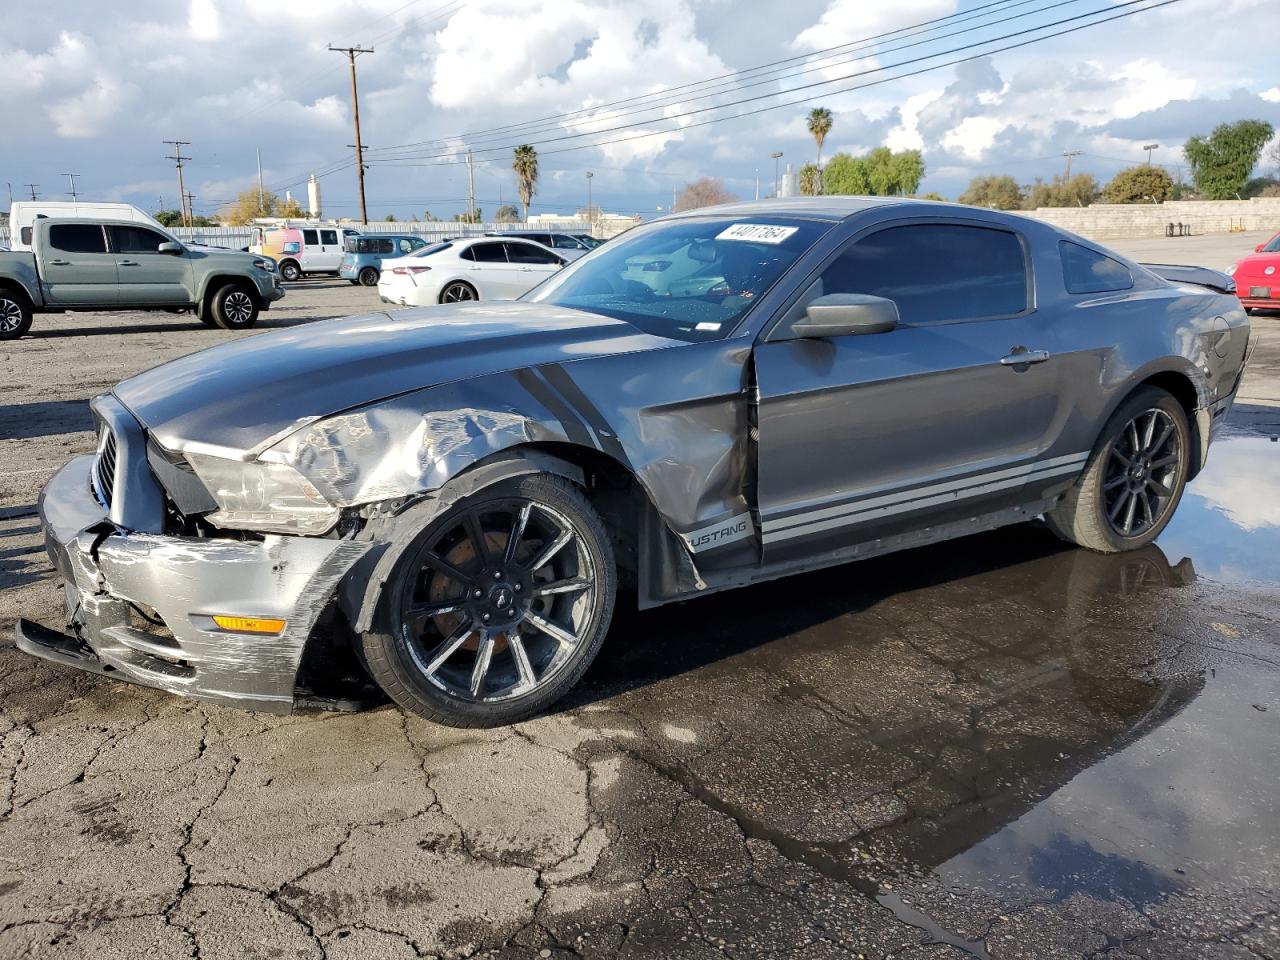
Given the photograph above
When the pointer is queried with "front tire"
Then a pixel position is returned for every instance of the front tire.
(497, 607)
(15, 314)
(234, 307)
(369, 277)
(1133, 480)
(289, 270)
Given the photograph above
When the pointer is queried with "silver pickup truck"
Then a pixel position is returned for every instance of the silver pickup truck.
(123, 265)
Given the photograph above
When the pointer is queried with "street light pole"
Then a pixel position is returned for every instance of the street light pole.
(591, 217)
(1150, 147)
(777, 155)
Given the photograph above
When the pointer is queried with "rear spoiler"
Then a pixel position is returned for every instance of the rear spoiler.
(1201, 276)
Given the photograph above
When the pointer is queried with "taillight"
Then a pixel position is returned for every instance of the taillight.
(409, 271)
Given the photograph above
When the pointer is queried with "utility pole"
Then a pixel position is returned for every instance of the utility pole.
(1069, 154)
(471, 189)
(757, 183)
(72, 178)
(179, 160)
(32, 188)
(1150, 147)
(261, 191)
(591, 214)
(191, 207)
(352, 53)
(10, 186)
(777, 155)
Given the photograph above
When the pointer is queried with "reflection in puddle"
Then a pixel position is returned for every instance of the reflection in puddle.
(1229, 517)
(1190, 802)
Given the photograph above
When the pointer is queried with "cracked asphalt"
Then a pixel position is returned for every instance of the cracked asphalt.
(994, 748)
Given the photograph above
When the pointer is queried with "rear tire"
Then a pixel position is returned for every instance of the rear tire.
(459, 291)
(1134, 477)
(543, 609)
(369, 277)
(234, 307)
(289, 270)
(15, 314)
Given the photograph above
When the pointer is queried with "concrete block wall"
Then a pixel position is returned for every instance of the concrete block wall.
(1103, 221)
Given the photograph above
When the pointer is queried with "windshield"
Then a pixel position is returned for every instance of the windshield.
(1272, 245)
(687, 279)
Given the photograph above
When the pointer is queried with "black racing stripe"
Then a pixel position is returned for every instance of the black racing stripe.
(559, 378)
(574, 428)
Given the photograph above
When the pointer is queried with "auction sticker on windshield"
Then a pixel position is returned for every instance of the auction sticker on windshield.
(756, 233)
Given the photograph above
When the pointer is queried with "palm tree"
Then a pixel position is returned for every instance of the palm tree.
(820, 122)
(525, 164)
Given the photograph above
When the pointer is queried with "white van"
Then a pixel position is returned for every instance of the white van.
(303, 248)
(23, 213)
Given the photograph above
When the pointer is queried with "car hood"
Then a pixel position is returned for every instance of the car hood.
(246, 395)
(1255, 263)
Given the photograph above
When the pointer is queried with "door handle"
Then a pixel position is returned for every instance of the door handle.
(59, 263)
(126, 263)
(1021, 355)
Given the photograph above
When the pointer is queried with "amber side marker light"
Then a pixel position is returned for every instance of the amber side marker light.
(249, 624)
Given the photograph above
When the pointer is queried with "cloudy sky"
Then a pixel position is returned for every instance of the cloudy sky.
(95, 88)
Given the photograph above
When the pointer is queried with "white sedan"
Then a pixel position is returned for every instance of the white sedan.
(481, 268)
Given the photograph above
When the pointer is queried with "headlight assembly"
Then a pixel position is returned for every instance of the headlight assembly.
(271, 497)
(262, 263)
(1230, 271)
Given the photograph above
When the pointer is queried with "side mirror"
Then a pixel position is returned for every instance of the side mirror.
(845, 315)
(1258, 248)
(170, 247)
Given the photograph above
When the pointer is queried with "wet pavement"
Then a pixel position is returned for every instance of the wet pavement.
(998, 747)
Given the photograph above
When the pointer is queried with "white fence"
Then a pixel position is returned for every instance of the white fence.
(234, 238)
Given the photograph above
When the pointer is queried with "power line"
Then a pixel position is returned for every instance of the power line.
(445, 159)
(655, 101)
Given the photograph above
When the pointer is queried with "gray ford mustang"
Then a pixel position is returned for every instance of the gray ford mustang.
(458, 493)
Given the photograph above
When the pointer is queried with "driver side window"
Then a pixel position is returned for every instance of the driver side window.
(935, 272)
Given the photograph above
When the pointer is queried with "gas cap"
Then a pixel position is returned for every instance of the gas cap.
(1221, 336)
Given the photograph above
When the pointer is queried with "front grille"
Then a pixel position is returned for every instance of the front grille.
(105, 467)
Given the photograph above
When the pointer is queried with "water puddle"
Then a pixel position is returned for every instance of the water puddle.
(1229, 519)
(1190, 802)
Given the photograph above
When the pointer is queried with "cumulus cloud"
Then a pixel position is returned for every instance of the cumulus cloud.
(98, 94)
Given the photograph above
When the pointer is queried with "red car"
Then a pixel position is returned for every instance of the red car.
(1257, 277)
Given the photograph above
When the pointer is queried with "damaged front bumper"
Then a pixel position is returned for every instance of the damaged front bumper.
(140, 605)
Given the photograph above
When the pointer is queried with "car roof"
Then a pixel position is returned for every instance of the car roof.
(816, 208)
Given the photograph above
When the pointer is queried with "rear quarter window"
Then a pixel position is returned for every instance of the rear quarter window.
(1087, 271)
(77, 238)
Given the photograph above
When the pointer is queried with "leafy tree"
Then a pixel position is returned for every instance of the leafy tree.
(999, 192)
(249, 205)
(429, 217)
(932, 195)
(908, 171)
(525, 164)
(1080, 191)
(1259, 187)
(1140, 184)
(1221, 162)
(507, 213)
(879, 173)
(704, 192)
(389, 218)
(809, 180)
(844, 174)
(465, 218)
(169, 218)
(291, 209)
(819, 123)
